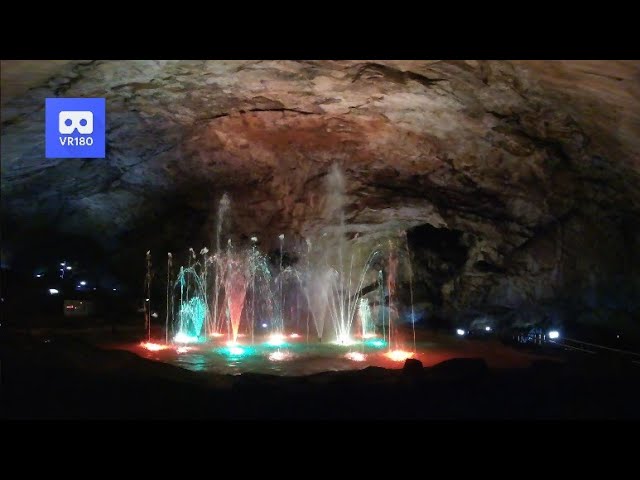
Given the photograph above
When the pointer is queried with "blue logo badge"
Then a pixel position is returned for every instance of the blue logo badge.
(75, 127)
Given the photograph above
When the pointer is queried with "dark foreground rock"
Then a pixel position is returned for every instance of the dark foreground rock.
(412, 367)
(67, 379)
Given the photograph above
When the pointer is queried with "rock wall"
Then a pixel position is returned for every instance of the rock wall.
(518, 180)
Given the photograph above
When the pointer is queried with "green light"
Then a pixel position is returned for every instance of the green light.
(192, 315)
(236, 351)
(375, 343)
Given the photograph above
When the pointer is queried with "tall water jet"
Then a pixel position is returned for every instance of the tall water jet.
(235, 288)
(147, 303)
(410, 263)
(281, 286)
(364, 313)
(166, 323)
(253, 270)
(336, 269)
(392, 272)
(381, 303)
(334, 211)
(317, 286)
(203, 273)
(223, 207)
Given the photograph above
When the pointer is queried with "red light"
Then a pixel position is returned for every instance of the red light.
(399, 355)
(153, 347)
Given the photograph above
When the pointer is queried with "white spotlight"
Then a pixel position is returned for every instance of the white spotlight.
(553, 334)
(53, 291)
(460, 332)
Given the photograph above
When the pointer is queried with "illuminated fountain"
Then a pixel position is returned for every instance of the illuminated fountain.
(343, 285)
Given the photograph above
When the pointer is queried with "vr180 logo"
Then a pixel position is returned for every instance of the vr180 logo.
(69, 122)
(75, 127)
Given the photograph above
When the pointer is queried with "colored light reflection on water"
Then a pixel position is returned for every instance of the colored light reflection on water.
(153, 347)
(356, 356)
(276, 340)
(235, 350)
(345, 341)
(279, 356)
(182, 337)
(375, 343)
(399, 355)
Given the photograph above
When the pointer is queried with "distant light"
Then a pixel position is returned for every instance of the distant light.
(94, 288)
(146, 299)
(154, 314)
(356, 356)
(460, 332)
(399, 355)
(617, 336)
(487, 328)
(264, 325)
(553, 334)
(182, 349)
(63, 264)
(294, 335)
(83, 283)
(114, 289)
(53, 291)
(39, 275)
(69, 268)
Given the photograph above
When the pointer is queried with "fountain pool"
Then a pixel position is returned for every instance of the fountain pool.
(290, 355)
